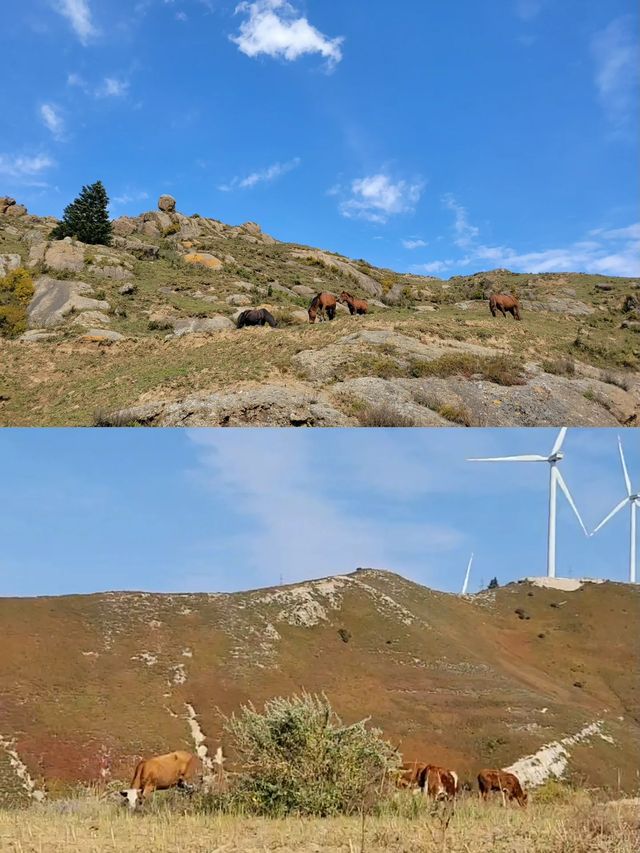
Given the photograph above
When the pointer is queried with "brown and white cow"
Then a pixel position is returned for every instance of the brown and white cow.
(158, 774)
(409, 774)
(438, 782)
(503, 781)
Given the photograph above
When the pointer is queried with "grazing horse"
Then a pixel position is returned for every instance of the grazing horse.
(323, 303)
(356, 306)
(256, 317)
(505, 303)
(158, 774)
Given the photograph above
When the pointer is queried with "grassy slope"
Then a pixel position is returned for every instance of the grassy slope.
(461, 684)
(68, 381)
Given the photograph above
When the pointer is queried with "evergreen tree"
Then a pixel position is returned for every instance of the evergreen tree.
(86, 218)
(493, 583)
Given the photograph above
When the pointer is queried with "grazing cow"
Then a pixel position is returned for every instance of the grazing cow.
(438, 782)
(505, 303)
(256, 317)
(409, 775)
(503, 781)
(158, 774)
(356, 306)
(322, 304)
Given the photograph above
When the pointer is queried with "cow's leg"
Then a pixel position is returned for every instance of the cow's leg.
(148, 789)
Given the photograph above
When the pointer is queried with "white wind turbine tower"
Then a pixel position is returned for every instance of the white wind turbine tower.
(466, 577)
(633, 499)
(555, 479)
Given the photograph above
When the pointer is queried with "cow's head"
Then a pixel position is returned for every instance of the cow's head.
(133, 796)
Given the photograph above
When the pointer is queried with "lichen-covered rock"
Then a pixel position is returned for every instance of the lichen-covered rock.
(99, 335)
(58, 256)
(8, 263)
(125, 226)
(202, 259)
(189, 325)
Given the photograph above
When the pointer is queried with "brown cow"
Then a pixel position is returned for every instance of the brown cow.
(409, 774)
(503, 781)
(355, 306)
(505, 303)
(159, 774)
(322, 304)
(438, 782)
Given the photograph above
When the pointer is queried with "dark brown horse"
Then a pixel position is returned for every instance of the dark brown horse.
(505, 303)
(356, 306)
(324, 305)
(256, 317)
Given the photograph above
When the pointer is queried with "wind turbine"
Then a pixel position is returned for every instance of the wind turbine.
(555, 479)
(466, 577)
(633, 499)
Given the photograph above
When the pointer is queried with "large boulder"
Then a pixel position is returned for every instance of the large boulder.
(167, 203)
(54, 300)
(202, 259)
(8, 263)
(8, 207)
(125, 226)
(189, 325)
(58, 256)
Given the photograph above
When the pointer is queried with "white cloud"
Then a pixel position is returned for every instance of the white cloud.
(128, 197)
(615, 53)
(265, 176)
(274, 28)
(50, 115)
(78, 13)
(377, 197)
(111, 87)
(414, 243)
(465, 232)
(23, 168)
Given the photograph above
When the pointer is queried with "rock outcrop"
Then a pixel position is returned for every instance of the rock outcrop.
(54, 300)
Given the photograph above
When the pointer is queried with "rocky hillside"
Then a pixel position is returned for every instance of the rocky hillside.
(542, 679)
(143, 331)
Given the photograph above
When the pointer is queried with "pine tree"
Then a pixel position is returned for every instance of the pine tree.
(86, 218)
(493, 583)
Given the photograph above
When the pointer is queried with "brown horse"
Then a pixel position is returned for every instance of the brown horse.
(356, 306)
(505, 303)
(323, 304)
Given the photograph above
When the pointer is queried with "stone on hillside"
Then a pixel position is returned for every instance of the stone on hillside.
(238, 299)
(167, 203)
(127, 289)
(632, 325)
(8, 263)
(125, 226)
(202, 259)
(34, 335)
(58, 256)
(101, 335)
(5, 202)
(53, 300)
(303, 290)
(268, 405)
(605, 286)
(90, 318)
(149, 229)
(423, 309)
(298, 316)
(140, 250)
(252, 228)
(9, 207)
(190, 325)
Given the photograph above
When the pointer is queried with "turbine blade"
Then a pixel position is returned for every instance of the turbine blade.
(612, 513)
(558, 442)
(567, 495)
(466, 577)
(530, 458)
(624, 468)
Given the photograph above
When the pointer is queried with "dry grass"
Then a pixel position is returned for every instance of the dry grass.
(579, 825)
(383, 415)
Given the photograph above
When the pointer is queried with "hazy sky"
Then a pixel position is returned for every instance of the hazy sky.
(437, 137)
(218, 510)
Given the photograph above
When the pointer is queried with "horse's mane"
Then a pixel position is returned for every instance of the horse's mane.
(315, 301)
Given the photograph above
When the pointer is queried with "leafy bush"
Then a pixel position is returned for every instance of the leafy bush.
(86, 218)
(16, 290)
(298, 757)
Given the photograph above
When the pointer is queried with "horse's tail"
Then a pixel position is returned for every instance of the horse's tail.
(492, 304)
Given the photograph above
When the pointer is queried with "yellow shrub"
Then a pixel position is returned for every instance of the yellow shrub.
(16, 290)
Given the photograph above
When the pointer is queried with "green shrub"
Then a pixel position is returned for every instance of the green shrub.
(16, 290)
(86, 218)
(299, 758)
(174, 228)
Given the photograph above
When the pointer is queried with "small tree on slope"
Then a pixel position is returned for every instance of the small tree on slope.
(86, 218)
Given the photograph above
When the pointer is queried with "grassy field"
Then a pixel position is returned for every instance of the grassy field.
(577, 823)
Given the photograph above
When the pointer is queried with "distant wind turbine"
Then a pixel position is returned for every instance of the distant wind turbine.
(555, 479)
(466, 577)
(633, 499)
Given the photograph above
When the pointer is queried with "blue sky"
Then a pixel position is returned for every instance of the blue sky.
(435, 137)
(220, 510)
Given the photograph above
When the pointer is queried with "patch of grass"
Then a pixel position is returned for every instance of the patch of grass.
(456, 413)
(383, 415)
(501, 369)
(559, 366)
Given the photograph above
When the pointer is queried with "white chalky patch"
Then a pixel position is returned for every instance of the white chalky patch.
(553, 758)
(21, 770)
(199, 742)
(91, 654)
(187, 653)
(179, 674)
(146, 657)
(563, 584)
